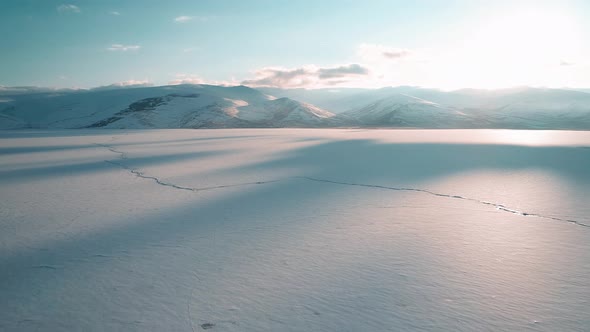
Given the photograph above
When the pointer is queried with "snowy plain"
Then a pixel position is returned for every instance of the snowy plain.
(294, 230)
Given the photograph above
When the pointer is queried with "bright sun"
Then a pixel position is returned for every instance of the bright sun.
(524, 47)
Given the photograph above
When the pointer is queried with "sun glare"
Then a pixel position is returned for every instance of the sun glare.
(512, 48)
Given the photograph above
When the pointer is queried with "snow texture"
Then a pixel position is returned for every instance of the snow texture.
(294, 230)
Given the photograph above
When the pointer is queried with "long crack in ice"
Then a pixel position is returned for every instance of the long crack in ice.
(140, 174)
(498, 206)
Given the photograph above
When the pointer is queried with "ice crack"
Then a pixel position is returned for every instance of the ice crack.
(140, 174)
(498, 206)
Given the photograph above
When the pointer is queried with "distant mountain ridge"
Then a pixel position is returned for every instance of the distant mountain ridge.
(211, 106)
(406, 106)
(178, 106)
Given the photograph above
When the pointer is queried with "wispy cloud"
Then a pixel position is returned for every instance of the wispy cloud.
(115, 13)
(68, 8)
(307, 76)
(125, 84)
(374, 65)
(376, 52)
(195, 79)
(187, 18)
(123, 48)
(190, 49)
(133, 83)
(342, 71)
(395, 54)
(186, 79)
(183, 19)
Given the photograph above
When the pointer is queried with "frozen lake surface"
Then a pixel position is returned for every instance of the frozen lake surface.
(294, 230)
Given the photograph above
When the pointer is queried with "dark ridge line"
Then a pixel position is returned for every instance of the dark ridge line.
(79, 117)
(498, 206)
(140, 174)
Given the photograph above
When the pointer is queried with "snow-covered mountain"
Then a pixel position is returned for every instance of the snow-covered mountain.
(210, 106)
(336, 100)
(534, 108)
(523, 108)
(400, 110)
(339, 100)
(179, 106)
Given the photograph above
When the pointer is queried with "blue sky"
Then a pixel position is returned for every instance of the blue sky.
(445, 44)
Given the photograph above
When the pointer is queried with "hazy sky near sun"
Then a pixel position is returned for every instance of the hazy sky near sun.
(434, 43)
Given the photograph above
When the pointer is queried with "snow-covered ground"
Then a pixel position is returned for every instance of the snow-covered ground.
(294, 230)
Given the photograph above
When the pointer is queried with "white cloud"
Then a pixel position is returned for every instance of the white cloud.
(392, 66)
(566, 63)
(190, 49)
(342, 71)
(195, 79)
(376, 52)
(186, 18)
(372, 66)
(125, 84)
(186, 79)
(307, 76)
(115, 13)
(183, 19)
(68, 8)
(283, 77)
(123, 48)
(133, 83)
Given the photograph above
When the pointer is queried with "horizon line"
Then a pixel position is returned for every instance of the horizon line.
(114, 86)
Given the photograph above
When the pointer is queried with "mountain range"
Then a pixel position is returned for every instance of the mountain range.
(211, 106)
